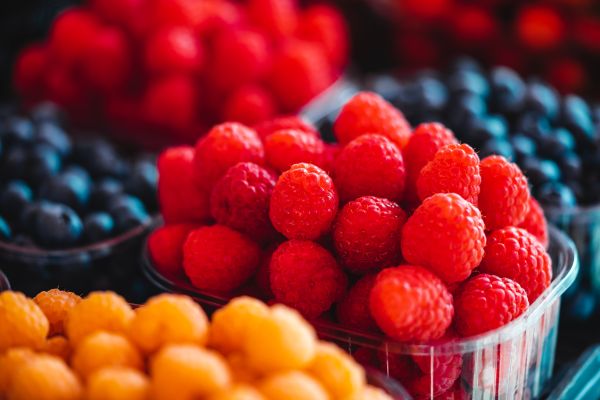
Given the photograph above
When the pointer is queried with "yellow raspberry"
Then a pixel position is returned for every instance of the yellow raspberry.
(238, 392)
(9, 362)
(58, 346)
(370, 393)
(44, 377)
(22, 323)
(186, 372)
(117, 383)
(240, 371)
(104, 349)
(105, 311)
(168, 319)
(281, 340)
(337, 371)
(230, 324)
(56, 304)
(292, 385)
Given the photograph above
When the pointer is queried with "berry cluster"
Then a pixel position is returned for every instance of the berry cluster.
(59, 346)
(554, 139)
(59, 191)
(176, 67)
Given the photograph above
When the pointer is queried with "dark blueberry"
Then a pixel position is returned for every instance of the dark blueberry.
(464, 111)
(578, 191)
(556, 194)
(14, 197)
(540, 171)
(523, 146)
(128, 212)
(557, 143)
(97, 227)
(500, 147)
(46, 112)
(582, 306)
(42, 163)
(67, 188)
(103, 192)
(386, 86)
(78, 172)
(5, 231)
(577, 116)
(141, 181)
(508, 89)
(596, 113)
(466, 81)
(28, 216)
(533, 125)
(54, 136)
(23, 241)
(488, 128)
(542, 99)
(465, 63)
(57, 225)
(17, 130)
(100, 159)
(570, 166)
(433, 95)
(14, 164)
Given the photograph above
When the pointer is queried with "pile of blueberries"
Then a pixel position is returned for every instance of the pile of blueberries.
(59, 191)
(554, 139)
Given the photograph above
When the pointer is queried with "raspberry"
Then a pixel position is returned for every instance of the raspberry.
(486, 302)
(304, 202)
(219, 259)
(29, 69)
(116, 383)
(337, 371)
(249, 105)
(56, 304)
(263, 275)
(224, 146)
(44, 377)
(98, 311)
(368, 112)
(168, 319)
(535, 222)
(324, 25)
(369, 165)
(277, 18)
(187, 372)
(504, 195)
(516, 254)
(62, 88)
(238, 392)
(173, 49)
(71, 33)
(292, 384)
(306, 276)
(409, 303)
(230, 324)
(353, 309)
(103, 349)
(454, 169)
(165, 246)
(171, 102)
(58, 346)
(279, 341)
(287, 147)
(187, 13)
(179, 197)
(332, 151)
(23, 322)
(240, 370)
(118, 12)
(299, 72)
(10, 361)
(240, 200)
(264, 129)
(366, 232)
(445, 234)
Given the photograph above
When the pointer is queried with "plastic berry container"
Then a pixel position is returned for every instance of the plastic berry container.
(4, 283)
(580, 381)
(512, 362)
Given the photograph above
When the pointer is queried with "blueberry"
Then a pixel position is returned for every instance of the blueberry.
(488, 128)
(433, 95)
(67, 188)
(17, 130)
(23, 241)
(5, 231)
(55, 136)
(542, 99)
(577, 116)
(464, 111)
(500, 147)
(128, 212)
(100, 159)
(468, 81)
(508, 89)
(13, 199)
(46, 112)
(42, 163)
(582, 306)
(556, 194)
(386, 86)
(523, 146)
(104, 191)
(465, 63)
(57, 225)
(570, 166)
(14, 164)
(557, 143)
(97, 227)
(79, 172)
(142, 180)
(533, 125)
(540, 171)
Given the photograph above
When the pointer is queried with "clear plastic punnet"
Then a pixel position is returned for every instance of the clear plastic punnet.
(512, 362)
(4, 283)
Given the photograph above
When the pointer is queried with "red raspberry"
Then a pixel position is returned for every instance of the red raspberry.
(218, 259)
(486, 302)
(332, 151)
(29, 70)
(540, 27)
(504, 194)
(445, 234)
(306, 276)
(263, 274)
(409, 303)
(304, 202)
(171, 102)
(71, 32)
(220, 16)
(173, 49)
(366, 232)
(456, 392)
(368, 112)
(369, 165)
(165, 246)
(224, 146)
(264, 129)
(454, 169)
(119, 12)
(299, 72)
(535, 222)
(248, 105)
(63, 89)
(516, 254)
(324, 25)
(277, 18)
(290, 146)
(240, 200)
(179, 197)
(187, 13)
(353, 309)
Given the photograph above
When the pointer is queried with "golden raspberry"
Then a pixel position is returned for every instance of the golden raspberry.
(238, 392)
(9, 362)
(104, 349)
(56, 304)
(281, 340)
(58, 346)
(168, 319)
(187, 372)
(230, 324)
(240, 370)
(370, 393)
(117, 383)
(44, 377)
(337, 371)
(22, 323)
(98, 311)
(293, 385)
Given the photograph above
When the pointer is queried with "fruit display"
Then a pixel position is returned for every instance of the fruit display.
(59, 346)
(166, 70)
